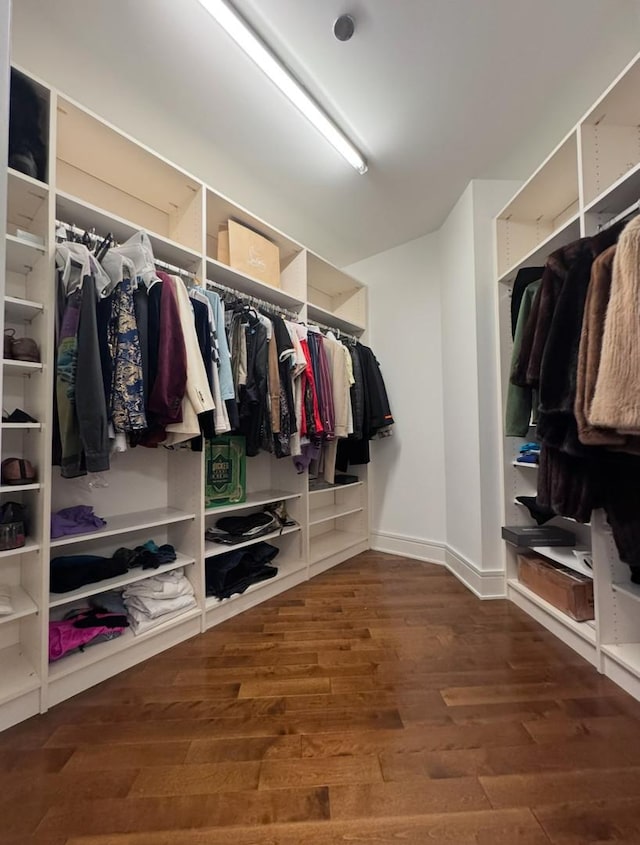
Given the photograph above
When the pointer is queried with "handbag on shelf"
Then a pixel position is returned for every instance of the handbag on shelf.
(12, 527)
(20, 348)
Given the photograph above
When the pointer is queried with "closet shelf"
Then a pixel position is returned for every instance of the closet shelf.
(582, 629)
(619, 196)
(23, 550)
(322, 315)
(94, 654)
(569, 231)
(564, 556)
(21, 310)
(216, 549)
(18, 488)
(23, 605)
(225, 275)
(335, 488)
(632, 590)
(58, 599)
(567, 518)
(22, 254)
(325, 545)
(127, 523)
(72, 209)
(284, 571)
(320, 515)
(626, 655)
(25, 197)
(524, 466)
(20, 368)
(21, 426)
(254, 500)
(17, 673)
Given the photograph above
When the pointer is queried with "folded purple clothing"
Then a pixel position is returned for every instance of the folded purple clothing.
(79, 519)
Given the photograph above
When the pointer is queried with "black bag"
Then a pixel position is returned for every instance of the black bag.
(27, 151)
(251, 525)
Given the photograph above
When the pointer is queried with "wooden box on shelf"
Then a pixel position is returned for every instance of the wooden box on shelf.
(569, 591)
(249, 252)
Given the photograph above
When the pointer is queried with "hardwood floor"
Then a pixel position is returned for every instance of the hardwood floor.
(379, 703)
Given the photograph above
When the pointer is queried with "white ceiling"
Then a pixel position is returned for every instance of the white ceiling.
(434, 92)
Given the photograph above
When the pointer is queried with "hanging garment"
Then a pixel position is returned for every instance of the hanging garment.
(616, 398)
(253, 394)
(590, 352)
(227, 388)
(197, 398)
(520, 400)
(341, 402)
(287, 425)
(523, 279)
(127, 390)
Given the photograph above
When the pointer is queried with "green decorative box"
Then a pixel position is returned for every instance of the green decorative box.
(225, 471)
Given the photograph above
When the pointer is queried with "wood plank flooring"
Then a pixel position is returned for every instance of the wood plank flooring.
(380, 703)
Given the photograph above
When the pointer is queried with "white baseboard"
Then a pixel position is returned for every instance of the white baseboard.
(412, 547)
(486, 584)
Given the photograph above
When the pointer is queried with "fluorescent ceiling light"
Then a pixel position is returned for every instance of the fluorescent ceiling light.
(233, 24)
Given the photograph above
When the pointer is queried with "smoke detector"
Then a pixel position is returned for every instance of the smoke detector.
(344, 27)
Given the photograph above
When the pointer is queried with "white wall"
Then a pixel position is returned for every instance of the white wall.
(407, 470)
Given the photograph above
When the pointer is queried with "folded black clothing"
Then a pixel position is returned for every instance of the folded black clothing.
(70, 572)
(236, 570)
(95, 619)
(148, 556)
(251, 525)
(346, 479)
(538, 512)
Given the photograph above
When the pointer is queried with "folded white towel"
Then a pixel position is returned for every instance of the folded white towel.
(140, 622)
(153, 608)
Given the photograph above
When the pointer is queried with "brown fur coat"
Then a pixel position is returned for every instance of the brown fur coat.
(616, 397)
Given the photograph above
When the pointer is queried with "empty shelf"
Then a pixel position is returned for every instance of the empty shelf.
(319, 515)
(21, 426)
(17, 673)
(22, 254)
(18, 488)
(25, 197)
(20, 368)
(632, 590)
(325, 545)
(21, 310)
(322, 315)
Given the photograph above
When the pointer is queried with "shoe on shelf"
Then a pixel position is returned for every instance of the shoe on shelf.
(18, 416)
(14, 471)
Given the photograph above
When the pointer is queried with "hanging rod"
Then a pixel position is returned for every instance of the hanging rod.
(623, 214)
(335, 330)
(253, 300)
(163, 265)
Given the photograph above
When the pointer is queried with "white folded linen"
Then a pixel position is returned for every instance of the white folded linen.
(141, 623)
(153, 608)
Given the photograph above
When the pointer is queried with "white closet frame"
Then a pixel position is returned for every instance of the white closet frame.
(101, 177)
(592, 176)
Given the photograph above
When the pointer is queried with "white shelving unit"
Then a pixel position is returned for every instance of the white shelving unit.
(593, 175)
(111, 183)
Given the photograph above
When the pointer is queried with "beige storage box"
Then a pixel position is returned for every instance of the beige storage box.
(569, 591)
(250, 253)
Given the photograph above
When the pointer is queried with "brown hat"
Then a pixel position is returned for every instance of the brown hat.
(17, 471)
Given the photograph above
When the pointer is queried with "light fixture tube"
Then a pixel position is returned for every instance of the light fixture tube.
(235, 26)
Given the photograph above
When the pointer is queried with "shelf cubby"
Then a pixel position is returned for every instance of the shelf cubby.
(113, 172)
(545, 205)
(335, 298)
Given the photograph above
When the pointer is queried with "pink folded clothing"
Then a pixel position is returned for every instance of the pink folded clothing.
(67, 636)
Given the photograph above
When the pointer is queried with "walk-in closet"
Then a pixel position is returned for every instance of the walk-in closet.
(319, 452)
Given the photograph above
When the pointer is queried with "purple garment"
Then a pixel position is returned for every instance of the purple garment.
(65, 637)
(323, 381)
(310, 452)
(79, 519)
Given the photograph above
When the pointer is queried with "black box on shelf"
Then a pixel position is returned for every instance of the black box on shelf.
(537, 535)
